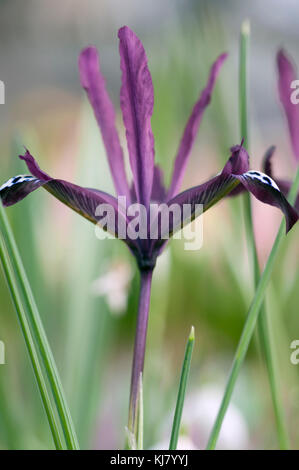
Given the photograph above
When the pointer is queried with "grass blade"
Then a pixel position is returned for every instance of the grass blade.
(250, 323)
(34, 320)
(32, 351)
(263, 330)
(181, 394)
(243, 79)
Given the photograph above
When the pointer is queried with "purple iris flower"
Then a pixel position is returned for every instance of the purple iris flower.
(137, 100)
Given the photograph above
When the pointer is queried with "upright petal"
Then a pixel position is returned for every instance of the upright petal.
(238, 162)
(137, 100)
(209, 193)
(267, 161)
(94, 84)
(33, 166)
(286, 75)
(158, 189)
(192, 127)
(237, 166)
(84, 201)
(284, 185)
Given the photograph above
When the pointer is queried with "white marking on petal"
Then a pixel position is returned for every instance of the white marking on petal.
(21, 179)
(258, 175)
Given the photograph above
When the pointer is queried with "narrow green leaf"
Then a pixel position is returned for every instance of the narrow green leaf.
(250, 323)
(32, 351)
(38, 333)
(182, 391)
(243, 79)
(130, 440)
(263, 330)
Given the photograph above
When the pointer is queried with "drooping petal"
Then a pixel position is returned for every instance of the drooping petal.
(267, 164)
(285, 187)
(209, 193)
(158, 189)
(84, 201)
(94, 84)
(137, 100)
(192, 127)
(266, 190)
(18, 187)
(286, 76)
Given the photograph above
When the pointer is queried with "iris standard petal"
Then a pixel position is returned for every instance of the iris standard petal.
(284, 185)
(267, 163)
(158, 189)
(238, 162)
(137, 100)
(94, 84)
(286, 75)
(192, 127)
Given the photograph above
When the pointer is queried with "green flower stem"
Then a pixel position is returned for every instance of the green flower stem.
(250, 323)
(263, 330)
(182, 391)
(39, 334)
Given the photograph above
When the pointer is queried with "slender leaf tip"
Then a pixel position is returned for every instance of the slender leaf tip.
(245, 28)
(192, 334)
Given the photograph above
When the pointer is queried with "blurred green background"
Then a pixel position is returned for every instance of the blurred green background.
(86, 289)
